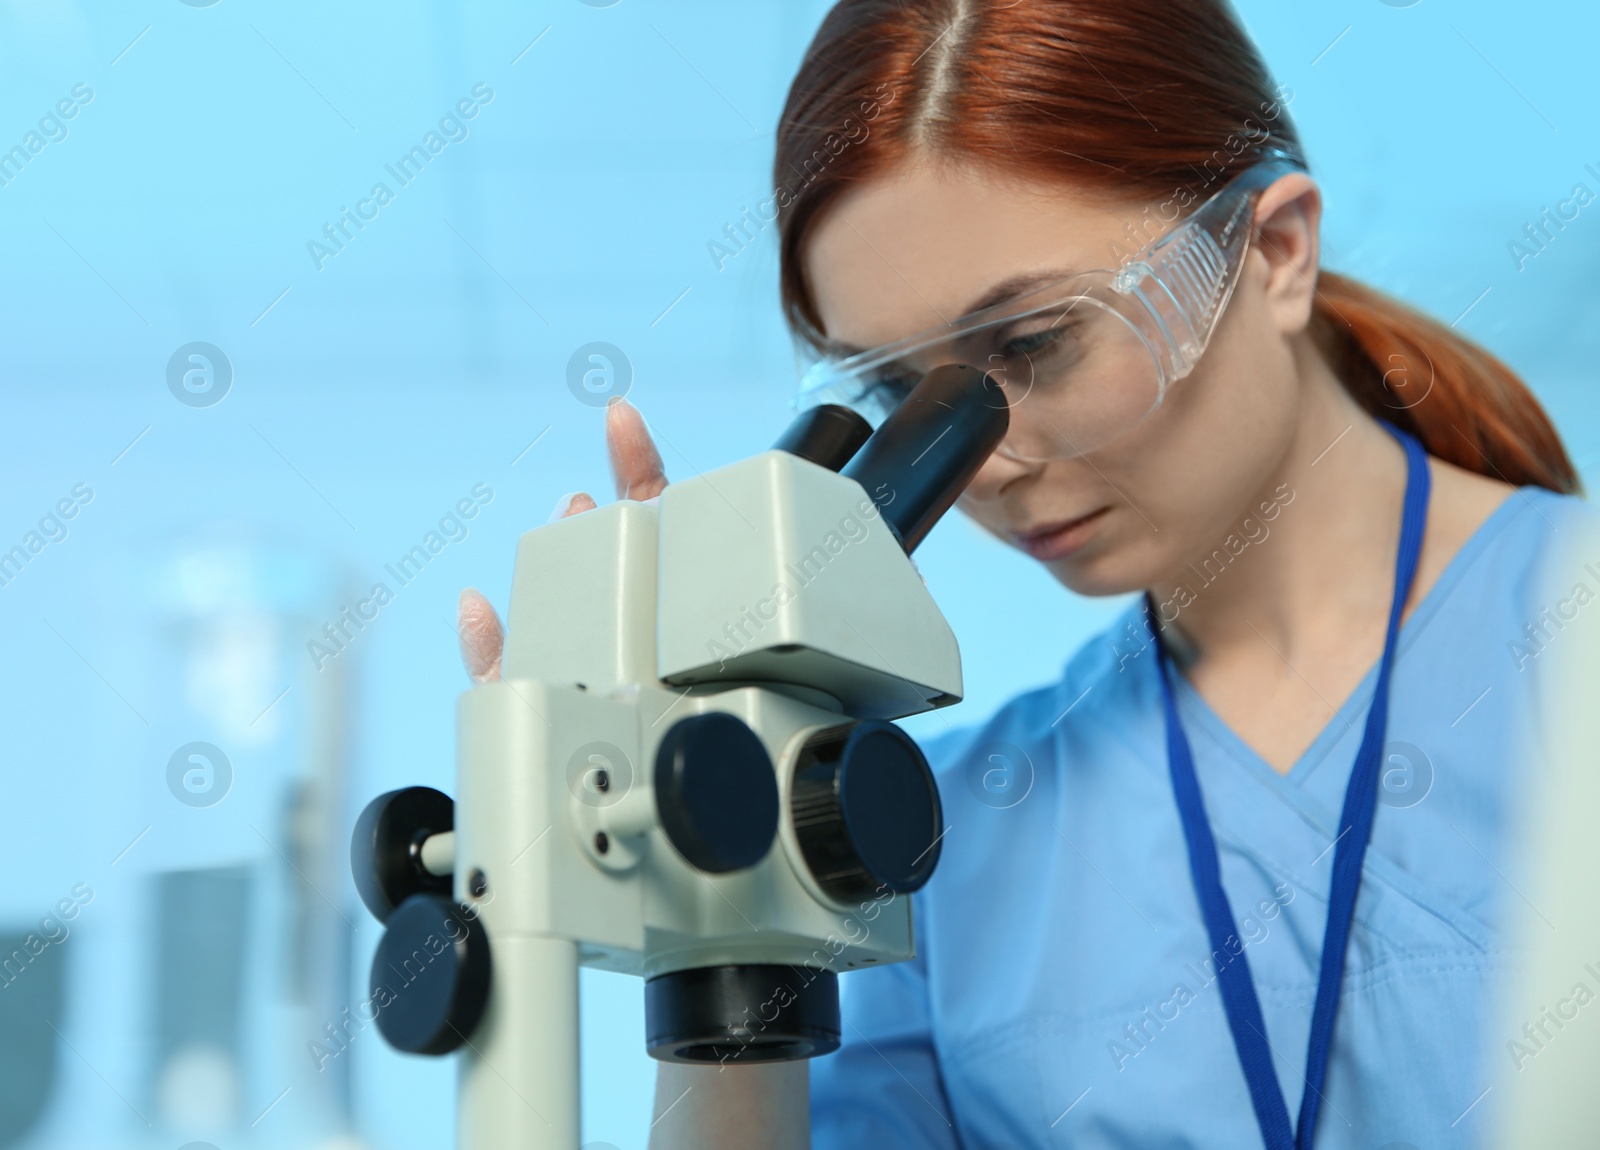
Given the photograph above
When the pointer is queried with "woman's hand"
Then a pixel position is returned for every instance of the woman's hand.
(637, 472)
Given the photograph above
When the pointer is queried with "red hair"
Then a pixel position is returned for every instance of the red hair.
(1144, 99)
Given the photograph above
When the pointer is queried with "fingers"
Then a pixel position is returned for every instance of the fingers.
(572, 504)
(635, 462)
(483, 639)
(636, 467)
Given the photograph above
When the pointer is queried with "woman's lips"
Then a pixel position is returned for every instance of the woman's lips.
(1058, 540)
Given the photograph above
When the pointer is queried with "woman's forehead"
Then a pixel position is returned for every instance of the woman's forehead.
(927, 244)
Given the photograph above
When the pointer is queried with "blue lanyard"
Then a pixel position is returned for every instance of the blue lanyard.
(1355, 830)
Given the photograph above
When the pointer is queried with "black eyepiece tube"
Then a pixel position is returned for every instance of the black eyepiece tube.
(828, 436)
(921, 459)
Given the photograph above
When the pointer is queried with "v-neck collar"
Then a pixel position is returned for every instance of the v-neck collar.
(1194, 708)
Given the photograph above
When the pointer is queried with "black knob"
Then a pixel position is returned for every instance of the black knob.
(716, 793)
(866, 811)
(430, 975)
(386, 847)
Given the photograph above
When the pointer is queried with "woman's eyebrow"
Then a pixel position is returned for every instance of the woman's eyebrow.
(1015, 286)
(1010, 288)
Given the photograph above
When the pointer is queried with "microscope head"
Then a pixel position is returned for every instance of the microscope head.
(789, 568)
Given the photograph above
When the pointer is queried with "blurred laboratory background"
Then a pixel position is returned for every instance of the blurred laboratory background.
(239, 387)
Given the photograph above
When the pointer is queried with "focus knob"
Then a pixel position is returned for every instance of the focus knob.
(716, 793)
(430, 975)
(866, 811)
(386, 847)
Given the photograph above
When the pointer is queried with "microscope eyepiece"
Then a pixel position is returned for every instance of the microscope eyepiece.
(828, 436)
(923, 456)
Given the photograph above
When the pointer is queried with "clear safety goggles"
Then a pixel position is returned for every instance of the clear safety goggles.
(1082, 360)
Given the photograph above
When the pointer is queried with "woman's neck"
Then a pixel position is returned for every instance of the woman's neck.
(1325, 558)
(1283, 627)
(1278, 643)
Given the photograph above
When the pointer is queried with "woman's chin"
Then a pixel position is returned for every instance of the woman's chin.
(1097, 575)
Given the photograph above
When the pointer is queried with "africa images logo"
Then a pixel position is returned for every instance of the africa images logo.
(199, 775)
(599, 372)
(199, 374)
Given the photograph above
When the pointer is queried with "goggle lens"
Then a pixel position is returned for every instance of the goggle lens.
(1083, 361)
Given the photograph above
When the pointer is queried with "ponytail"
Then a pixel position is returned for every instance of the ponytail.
(1463, 404)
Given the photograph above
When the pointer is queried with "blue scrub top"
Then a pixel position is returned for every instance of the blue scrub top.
(1064, 993)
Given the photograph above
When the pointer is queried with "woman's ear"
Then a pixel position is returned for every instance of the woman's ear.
(1288, 216)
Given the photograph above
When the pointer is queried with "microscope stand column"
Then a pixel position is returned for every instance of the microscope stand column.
(519, 1066)
(519, 1071)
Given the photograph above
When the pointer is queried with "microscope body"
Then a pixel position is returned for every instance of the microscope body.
(686, 771)
(771, 591)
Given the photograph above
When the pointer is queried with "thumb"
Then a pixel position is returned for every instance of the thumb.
(483, 639)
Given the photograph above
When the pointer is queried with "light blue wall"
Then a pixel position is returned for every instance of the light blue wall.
(372, 393)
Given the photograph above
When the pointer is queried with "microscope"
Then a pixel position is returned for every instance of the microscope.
(687, 770)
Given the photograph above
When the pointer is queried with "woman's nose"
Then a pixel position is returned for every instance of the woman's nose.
(998, 472)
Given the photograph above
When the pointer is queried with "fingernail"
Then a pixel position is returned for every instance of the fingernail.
(563, 505)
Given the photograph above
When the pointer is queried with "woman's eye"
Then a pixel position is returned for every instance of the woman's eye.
(1031, 343)
(891, 389)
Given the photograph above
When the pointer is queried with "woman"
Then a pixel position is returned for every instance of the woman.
(1178, 904)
